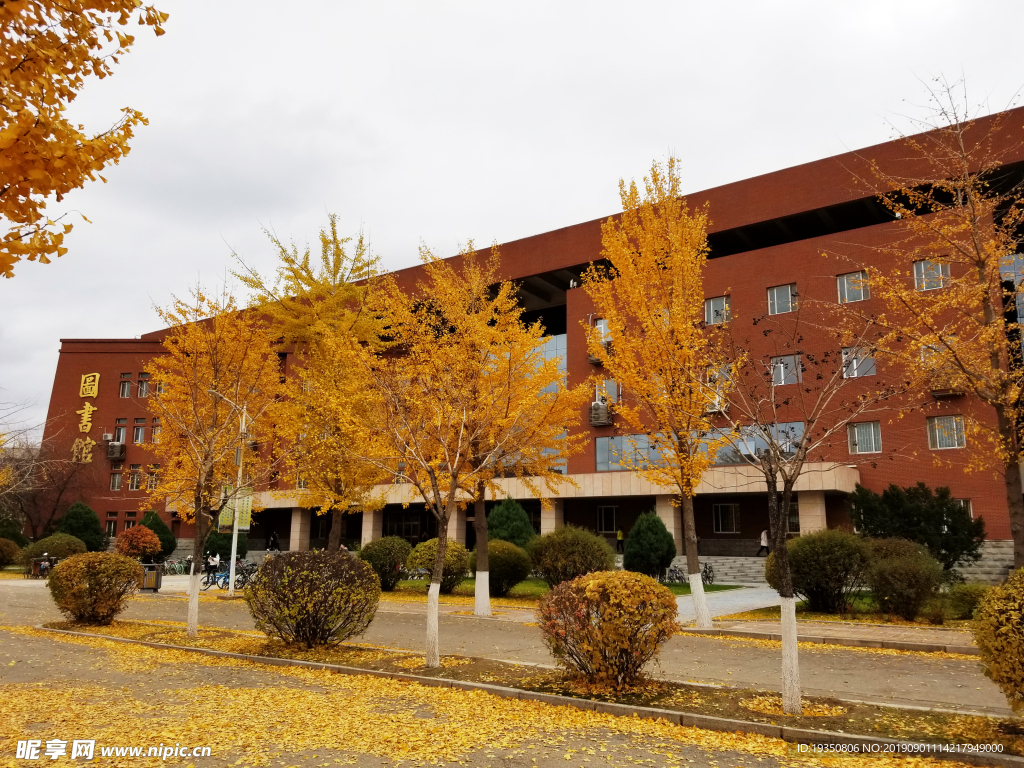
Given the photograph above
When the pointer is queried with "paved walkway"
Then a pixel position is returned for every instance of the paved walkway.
(730, 601)
(834, 630)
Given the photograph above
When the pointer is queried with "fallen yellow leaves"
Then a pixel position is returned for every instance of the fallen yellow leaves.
(419, 662)
(738, 642)
(772, 705)
(501, 602)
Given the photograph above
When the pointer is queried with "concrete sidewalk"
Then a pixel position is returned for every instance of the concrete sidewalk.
(730, 601)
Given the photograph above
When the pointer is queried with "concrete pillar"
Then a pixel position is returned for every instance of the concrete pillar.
(552, 519)
(672, 517)
(457, 526)
(373, 526)
(812, 511)
(299, 537)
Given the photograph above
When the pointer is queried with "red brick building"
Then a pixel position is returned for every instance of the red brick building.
(768, 234)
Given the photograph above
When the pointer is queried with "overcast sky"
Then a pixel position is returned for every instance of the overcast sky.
(438, 122)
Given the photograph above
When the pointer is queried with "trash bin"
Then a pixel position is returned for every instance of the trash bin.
(152, 577)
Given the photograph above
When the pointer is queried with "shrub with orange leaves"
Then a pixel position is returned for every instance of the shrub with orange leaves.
(999, 632)
(93, 587)
(605, 626)
(138, 541)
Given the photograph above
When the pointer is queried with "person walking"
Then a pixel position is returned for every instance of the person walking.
(273, 546)
(620, 545)
(764, 544)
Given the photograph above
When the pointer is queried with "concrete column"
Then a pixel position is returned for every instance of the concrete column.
(457, 526)
(299, 538)
(552, 519)
(373, 526)
(672, 517)
(812, 511)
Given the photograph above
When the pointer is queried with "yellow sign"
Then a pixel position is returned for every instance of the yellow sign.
(244, 502)
(86, 413)
(90, 385)
(81, 450)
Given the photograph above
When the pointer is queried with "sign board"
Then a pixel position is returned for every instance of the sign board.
(244, 502)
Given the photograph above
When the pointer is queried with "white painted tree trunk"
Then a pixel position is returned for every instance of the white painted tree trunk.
(482, 595)
(433, 654)
(702, 614)
(790, 661)
(192, 628)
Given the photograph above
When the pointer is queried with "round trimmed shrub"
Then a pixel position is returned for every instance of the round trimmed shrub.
(507, 565)
(568, 553)
(509, 522)
(138, 541)
(650, 548)
(827, 567)
(60, 545)
(221, 544)
(9, 552)
(456, 565)
(93, 587)
(903, 584)
(387, 557)
(999, 634)
(82, 523)
(155, 523)
(964, 599)
(606, 626)
(313, 597)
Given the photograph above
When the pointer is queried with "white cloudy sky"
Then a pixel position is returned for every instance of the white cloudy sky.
(437, 122)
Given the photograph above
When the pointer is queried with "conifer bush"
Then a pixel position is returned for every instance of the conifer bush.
(964, 599)
(606, 626)
(509, 522)
(902, 584)
(168, 543)
(221, 544)
(456, 562)
(569, 552)
(82, 523)
(93, 587)
(999, 634)
(650, 548)
(507, 565)
(9, 552)
(59, 545)
(387, 557)
(138, 541)
(313, 598)
(827, 567)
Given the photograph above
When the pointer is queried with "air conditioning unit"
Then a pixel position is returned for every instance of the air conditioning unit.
(600, 414)
(115, 451)
(107, 437)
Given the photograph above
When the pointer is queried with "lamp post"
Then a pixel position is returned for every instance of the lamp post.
(238, 487)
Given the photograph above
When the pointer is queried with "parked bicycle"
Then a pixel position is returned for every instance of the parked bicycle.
(707, 574)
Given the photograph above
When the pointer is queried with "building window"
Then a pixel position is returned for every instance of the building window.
(155, 431)
(946, 432)
(865, 437)
(121, 430)
(853, 286)
(793, 523)
(606, 519)
(929, 275)
(785, 370)
(111, 524)
(125, 389)
(135, 477)
(619, 452)
(966, 504)
(781, 299)
(727, 518)
(153, 477)
(717, 310)
(139, 431)
(610, 391)
(302, 483)
(602, 328)
(159, 387)
(143, 385)
(857, 363)
(115, 481)
(129, 524)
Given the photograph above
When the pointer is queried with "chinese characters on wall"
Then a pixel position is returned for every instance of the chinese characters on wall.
(81, 449)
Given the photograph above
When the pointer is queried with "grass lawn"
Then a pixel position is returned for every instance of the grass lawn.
(530, 589)
(684, 589)
(862, 610)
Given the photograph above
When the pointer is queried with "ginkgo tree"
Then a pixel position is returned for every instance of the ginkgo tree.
(649, 293)
(216, 361)
(49, 51)
(461, 396)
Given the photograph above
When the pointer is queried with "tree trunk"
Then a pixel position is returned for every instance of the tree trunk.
(482, 593)
(434, 592)
(1014, 491)
(702, 616)
(778, 516)
(334, 537)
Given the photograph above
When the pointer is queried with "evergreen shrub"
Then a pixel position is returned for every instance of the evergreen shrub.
(902, 584)
(221, 544)
(650, 548)
(456, 565)
(313, 597)
(569, 552)
(13, 530)
(507, 565)
(606, 626)
(93, 587)
(509, 522)
(999, 635)
(387, 557)
(963, 599)
(9, 552)
(82, 523)
(168, 543)
(827, 567)
(59, 545)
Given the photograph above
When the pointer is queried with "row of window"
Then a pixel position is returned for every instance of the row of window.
(850, 287)
(857, 363)
(136, 477)
(138, 430)
(129, 522)
(125, 385)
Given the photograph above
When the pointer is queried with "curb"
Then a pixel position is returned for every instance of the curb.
(853, 642)
(794, 735)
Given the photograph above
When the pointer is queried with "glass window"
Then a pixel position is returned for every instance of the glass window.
(727, 518)
(606, 519)
(853, 286)
(785, 370)
(615, 453)
(946, 432)
(112, 525)
(602, 328)
(554, 349)
(115, 481)
(610, 391)
(857, 363)
(138, 434)
(865, 437)
(929, 275)
(129, 524)
(966, 504)
(793, 523)
(717, 311)
(781, 299)
(153, 478)
(125, 389)
(120, 432)
(135, 477)
(155, 431)
(143, 388)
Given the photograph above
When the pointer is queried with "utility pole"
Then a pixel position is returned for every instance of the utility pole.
(239, 453)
